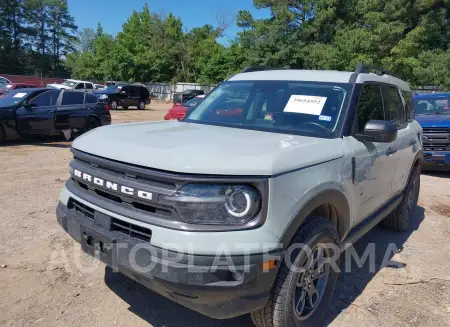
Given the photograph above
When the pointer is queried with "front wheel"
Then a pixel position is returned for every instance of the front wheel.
(303, 290)
(141, 105)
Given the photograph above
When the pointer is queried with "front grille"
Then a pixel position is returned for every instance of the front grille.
(81, 208)
(132, 230)
(135, 205)
(436, 139)
(117, 225)
(435, 130)
(435, 147)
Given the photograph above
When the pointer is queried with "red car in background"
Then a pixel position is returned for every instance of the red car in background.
(15, 86)
(178, 111)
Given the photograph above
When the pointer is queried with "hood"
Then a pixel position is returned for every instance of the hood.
(204, 149)
(433, 120)
(58, 86)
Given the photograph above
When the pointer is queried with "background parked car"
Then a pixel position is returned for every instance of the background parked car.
(15, 86)
(178, 111)
(432, 111)
(180, 98)
(99, 87)
(125, 96)
(43, 111)
(74, 85)
(4, 80)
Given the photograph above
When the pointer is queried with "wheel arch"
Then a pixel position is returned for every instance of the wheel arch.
(331, 204)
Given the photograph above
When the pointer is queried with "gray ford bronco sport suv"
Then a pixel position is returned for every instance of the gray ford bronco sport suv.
(204, 211)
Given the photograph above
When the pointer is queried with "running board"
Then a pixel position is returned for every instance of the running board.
(370, 222)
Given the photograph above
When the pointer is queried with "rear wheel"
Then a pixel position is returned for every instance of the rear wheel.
(141, 105)
(91, 124)
(2, 135)
(302, 292)
(401, 218)
(113, 105)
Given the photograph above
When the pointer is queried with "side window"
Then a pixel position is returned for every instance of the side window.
(395, 111)
(91, 98)
(45, 99)
(89, 86)
(79, 86)
(407, 95)
(370, 106)
(125, 88)
(72, 98)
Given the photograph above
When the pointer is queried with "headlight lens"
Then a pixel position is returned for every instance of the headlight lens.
(208, 204)
(104, 96)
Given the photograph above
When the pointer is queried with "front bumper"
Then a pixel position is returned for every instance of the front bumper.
(436, 160)
(199, 282)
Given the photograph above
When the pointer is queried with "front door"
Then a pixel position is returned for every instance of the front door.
(39, 116)
(374, 163)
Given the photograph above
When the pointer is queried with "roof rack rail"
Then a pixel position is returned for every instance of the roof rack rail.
(361, 69)
(250, 69)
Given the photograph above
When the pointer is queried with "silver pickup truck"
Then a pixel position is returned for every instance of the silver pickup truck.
(234, 209)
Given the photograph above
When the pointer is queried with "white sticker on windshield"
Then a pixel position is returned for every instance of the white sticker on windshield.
(19, 95)
(305, 104)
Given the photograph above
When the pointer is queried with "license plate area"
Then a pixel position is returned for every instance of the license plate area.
(438, 157)
(101, 247)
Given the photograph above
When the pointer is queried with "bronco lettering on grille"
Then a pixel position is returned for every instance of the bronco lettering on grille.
(113, 186)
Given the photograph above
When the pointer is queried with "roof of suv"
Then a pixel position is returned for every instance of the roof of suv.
(331, 76)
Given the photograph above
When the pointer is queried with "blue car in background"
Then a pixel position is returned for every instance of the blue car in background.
(432, 111)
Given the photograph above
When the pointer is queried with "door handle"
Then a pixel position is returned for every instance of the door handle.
(391, 151)
(413, 142)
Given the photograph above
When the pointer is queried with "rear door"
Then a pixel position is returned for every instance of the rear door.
(71, 102)
(134, 95)
(374, 166)
(39, 116)
(407, 144)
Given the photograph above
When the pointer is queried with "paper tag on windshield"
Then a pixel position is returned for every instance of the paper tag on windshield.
(19, 95)
(305, 104)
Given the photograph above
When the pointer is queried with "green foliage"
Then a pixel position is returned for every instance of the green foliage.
(35, 36)
(409, 37)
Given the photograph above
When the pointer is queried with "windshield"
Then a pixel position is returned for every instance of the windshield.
(193, 102)
(301, 108)
(12, 98)
(432, 106)
(68, 83)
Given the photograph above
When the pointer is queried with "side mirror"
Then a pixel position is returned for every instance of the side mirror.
(378, 131)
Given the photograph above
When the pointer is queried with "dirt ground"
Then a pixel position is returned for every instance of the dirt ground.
(41, 283)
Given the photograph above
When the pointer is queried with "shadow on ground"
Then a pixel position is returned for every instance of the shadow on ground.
(161, 312)
(51, 142)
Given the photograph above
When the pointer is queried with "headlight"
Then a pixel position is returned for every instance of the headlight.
(104, 96)
(216, 204)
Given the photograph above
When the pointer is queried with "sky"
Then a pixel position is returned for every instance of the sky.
(113, 13)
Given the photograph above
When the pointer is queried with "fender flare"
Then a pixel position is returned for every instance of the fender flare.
(341, 214)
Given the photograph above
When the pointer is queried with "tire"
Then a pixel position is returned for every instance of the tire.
(285, 307)
(113, 105)
(91, 124)
(401, 218)
(2, 135)
(141, 105)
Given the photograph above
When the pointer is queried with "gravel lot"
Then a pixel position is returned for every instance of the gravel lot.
(41, 284)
